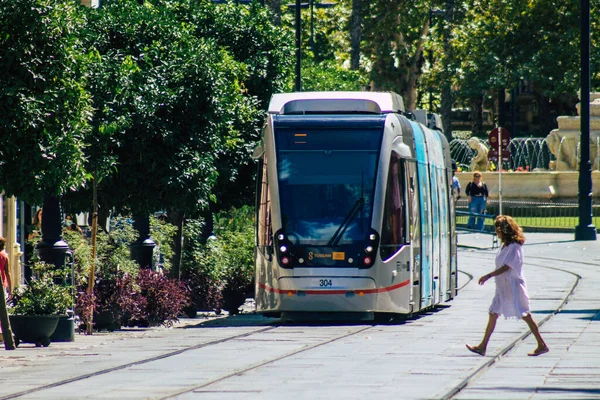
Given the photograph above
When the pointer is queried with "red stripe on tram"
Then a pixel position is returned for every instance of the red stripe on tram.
(338, 292)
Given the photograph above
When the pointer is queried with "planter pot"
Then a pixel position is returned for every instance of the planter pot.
(233, 300)
(33, 328)
(106, 320)
(65, 330)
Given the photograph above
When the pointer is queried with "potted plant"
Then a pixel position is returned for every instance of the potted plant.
(35, 308)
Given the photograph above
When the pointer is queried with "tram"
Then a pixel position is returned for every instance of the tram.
(354, 209)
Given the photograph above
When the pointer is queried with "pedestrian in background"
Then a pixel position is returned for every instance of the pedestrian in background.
(455, 183)
(511, 298)
(4, 269)
(36, 225)
(71, 224)
(477, 194)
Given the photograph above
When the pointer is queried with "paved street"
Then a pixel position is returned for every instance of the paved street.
(251, 357)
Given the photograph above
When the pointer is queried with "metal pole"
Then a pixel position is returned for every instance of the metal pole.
(312, 27)
(499, 171)
(585, 230)
(298, 47)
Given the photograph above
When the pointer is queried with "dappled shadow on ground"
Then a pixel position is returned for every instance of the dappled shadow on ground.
(254, 319)
(587, 314)
(585, 391)
(530, 244)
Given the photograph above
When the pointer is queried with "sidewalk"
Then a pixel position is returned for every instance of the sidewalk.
(425, 358)
(572, 367)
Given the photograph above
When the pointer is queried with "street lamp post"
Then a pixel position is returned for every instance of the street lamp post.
(585, 230)
(433, 13)
(298, 8)
(298, 46)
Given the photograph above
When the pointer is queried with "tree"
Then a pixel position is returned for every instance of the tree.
(179, 89)
(395, 35)
(45, 109)
(356, 22)
(329, 75)
(489, 58)
(167, 105)
(264, 52)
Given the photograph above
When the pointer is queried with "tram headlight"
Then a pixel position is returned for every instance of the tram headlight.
(369, 249)
(283, 248)
(372, 237)
(281, 236)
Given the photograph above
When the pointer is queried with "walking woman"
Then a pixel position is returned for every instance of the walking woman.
(511, 299)
(477, 194)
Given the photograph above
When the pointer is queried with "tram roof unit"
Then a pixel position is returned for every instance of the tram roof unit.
(336, 103)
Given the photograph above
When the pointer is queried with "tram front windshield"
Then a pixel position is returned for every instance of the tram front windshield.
(326, 181)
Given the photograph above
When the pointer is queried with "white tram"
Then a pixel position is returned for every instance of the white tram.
(354, 209)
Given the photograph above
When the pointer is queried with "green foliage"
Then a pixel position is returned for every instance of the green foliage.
(82, 255)
(225, 262)
(41, 296)
(163, 235)
(328, 75)
(393, 34)
(234, 248)
(538, 42)
(113, 253)
(196, 254)
(45, 106)
(263, 54)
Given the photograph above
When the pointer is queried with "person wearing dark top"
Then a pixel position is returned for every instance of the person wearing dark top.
(477, 194)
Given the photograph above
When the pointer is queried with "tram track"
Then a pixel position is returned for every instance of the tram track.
(132, 364)
(246, 335)
(267, 362)
(449, 394)
(200, 387)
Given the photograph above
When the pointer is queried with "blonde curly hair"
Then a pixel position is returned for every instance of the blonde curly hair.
(508, 230)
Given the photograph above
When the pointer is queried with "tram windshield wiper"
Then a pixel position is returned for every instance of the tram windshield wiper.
(358, 205)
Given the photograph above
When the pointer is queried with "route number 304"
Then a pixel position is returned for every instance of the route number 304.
(325, 282)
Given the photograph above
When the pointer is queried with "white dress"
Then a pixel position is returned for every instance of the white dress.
(511, 299)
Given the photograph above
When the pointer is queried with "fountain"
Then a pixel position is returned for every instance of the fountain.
(527, 154)
(539, 168)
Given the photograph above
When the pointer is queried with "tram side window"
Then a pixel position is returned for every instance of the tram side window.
(265, 234)
(393, 229)
(413, 199)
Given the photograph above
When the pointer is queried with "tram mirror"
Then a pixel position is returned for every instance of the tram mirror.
(258, 151)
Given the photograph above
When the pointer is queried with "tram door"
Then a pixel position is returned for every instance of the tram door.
(434, 151)
(424, 189)
(414, 217)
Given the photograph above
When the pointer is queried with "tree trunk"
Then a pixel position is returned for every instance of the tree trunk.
(447, 98)
(355, 34)
(546, 117)
(7, 335)
(92, 273)
(208, 226)
(176, 218)
(276, 11)
(501, 108)
(476, 105)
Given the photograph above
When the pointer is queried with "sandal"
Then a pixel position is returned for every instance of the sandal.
(539, 351)
(476, 350)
